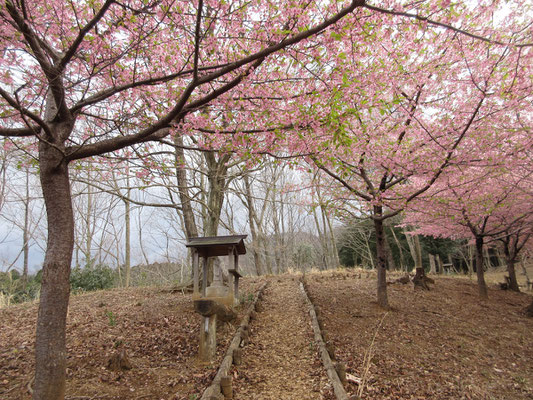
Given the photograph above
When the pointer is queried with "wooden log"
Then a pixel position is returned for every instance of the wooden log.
(341, 371)
(208, 307)
(226, 387)
(331, 351)
(237, 356)
(195, 267)
(338, 387)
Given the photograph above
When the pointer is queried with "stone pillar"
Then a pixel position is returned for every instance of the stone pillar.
(208, 338)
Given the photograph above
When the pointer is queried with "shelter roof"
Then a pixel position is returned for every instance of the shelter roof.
(213, 246)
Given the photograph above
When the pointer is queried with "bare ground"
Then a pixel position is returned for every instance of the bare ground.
(442, 344)
(281, 361)
(158, 329)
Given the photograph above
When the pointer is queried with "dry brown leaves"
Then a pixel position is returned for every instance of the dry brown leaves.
(158, 330)
(281, 361)
(441, 344)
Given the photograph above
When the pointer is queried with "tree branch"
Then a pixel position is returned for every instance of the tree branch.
(443, 25)
(81, 35)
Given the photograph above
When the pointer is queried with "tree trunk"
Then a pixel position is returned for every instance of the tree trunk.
(323, 242)
(25, 233)
(440, 266)
(127, 257)
(187, 212)
(383, 300)
(432, 268)
(399, 249)
(216, 176)
(390, 258)
(50, 350)
(510, 259)
(251, 219)
(334, 249)
(513, 283)
(482, 286)
(470, 261)
(414, 247)
(89, 225)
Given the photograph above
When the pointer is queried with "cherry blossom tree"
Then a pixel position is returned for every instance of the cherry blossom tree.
(135, 66)
(483, 204)
(384, 107)
(84, 78)
(387, 144)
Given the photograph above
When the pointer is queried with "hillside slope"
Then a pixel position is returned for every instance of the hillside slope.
(441, 344)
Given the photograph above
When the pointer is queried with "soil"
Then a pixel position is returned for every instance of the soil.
(439, 344)
(445, 343)
(281, 361)
(157, 328)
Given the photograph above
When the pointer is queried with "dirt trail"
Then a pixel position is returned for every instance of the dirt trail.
(281, 362)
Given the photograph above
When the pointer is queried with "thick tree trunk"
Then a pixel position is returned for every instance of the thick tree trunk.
(383, 300)
(187, 212)
(50, 350)
(390, 258)
(215, 197)
(513, 283)
(482, 286)
(510, 262)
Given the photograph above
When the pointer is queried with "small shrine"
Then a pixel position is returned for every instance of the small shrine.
(216, 300)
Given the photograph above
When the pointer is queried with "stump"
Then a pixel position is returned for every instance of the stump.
(119, 361)
(421, 280)
(226, 387)
(340, 368)
(237, 357)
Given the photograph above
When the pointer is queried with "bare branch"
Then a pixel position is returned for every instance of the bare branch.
(443, 25)
(81, 35)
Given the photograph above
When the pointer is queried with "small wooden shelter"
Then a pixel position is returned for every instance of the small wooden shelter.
(216, 246)
(215, 303)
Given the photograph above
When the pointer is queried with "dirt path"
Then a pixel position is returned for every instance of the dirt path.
(281, 361)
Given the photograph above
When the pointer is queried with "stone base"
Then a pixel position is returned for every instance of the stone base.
(222, 294)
